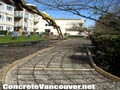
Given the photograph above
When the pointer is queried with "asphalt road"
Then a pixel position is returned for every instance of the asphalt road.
(65, 63)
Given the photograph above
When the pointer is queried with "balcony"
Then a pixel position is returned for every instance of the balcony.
(36, 28)
(26, 25)
(18, 25)
(36, 20)
(18, 15)
(26, 16)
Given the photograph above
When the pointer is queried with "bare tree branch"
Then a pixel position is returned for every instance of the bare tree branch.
(94, 8)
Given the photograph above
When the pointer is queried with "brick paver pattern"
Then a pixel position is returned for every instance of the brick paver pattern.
(66, 63)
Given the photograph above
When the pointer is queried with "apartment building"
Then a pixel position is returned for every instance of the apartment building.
(12, 19)
(24, 20)
(6, 17)
(36, 22)
(66, 24)
(42, 25)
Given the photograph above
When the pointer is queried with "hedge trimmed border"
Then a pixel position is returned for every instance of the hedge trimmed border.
(103, 72)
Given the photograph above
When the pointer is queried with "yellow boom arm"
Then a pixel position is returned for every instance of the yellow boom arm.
(20, 4)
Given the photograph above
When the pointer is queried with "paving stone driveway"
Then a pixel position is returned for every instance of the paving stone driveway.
(66, 63)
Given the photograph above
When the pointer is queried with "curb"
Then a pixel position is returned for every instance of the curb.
(20, 61)
(103, 72)
(29, 43)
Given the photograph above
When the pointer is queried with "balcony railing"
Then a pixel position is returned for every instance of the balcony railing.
(36, 28)
(18, 15)
(26, 25)
(18, 25)
(36, 20)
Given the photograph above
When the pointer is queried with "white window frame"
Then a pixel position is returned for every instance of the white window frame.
(8, 28)
(1, 17)
(31, 23)
(31, 16)
(26, 15)
(9, 8)
(2, 5)
(1, 28)
(9, 19)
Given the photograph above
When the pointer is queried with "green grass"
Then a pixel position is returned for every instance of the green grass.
(20, 39)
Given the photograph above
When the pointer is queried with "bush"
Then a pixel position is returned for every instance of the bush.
(3, 32)
(24, 33)
(110, 46)
(10, 33)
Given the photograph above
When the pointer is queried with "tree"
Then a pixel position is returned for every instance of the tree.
(111, 20)
(93, 8)
(76, 27)
(79, 27)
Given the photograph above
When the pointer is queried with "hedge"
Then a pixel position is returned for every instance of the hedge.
(109, 45)
(3, 32)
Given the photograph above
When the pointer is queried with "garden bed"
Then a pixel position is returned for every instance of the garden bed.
(106, 53)
(95, 64)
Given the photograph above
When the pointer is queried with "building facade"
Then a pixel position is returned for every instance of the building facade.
(66, 24)
(6, 17)
(37, 23)
(24, 20)
(12, 19)
(41, 25)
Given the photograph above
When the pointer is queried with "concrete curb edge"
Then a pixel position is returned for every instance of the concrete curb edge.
(103, 72)
(20, 61)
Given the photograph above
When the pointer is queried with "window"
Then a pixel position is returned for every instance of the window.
(9, 19)
(1, 27)
(26, 15)
(1, 17)
(46, 24)
(8, 28)
(9, 8)
(1, 5)
(20, 14)
(31, 23)
(31, 16)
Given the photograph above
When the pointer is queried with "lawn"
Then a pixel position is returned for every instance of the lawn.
(20, 39)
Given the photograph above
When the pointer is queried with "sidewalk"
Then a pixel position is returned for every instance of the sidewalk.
(65, 63)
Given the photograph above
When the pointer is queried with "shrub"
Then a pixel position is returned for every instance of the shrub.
(10, 33)
(3, 32)
(24, 33)
(110, 45)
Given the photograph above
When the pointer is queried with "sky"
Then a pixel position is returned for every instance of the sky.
(62, 14)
